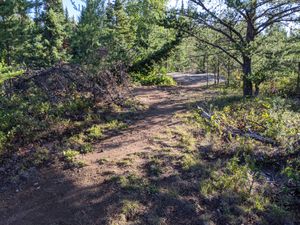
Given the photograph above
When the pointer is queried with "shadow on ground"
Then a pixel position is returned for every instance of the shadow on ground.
(146, 196)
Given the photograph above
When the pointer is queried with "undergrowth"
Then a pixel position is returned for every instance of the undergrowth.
(275, 118)
(158, 76)
(35, 129)
(243, 178)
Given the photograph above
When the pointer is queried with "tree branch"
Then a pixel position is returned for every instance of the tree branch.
(222, 22)
(215, 45)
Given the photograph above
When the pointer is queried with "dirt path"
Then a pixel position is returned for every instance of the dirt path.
(83, 196)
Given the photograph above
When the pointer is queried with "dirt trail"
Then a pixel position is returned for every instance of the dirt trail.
(82, 197)
(163, 102)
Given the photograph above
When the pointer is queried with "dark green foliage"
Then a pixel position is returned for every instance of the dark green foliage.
(238, 26)
(53, 32)
(27, 118)
(13, 29)
(145, 65)
(85, 41)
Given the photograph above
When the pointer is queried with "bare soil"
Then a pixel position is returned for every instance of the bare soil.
(90, 196)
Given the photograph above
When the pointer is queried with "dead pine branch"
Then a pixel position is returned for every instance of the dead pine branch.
(232, 131)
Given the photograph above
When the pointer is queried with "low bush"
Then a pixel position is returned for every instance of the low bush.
(158, 76)
(8, 72)
(284, 86)
(276, 118)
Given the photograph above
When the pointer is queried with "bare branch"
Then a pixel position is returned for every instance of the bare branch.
(222, 22)
(226, 51)
(284, 15)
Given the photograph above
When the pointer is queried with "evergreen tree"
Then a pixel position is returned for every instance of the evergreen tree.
(120, 33)
(241, 23)
(13, 28)
(70, 25)
(34, 49)
(86, 40)
(53, 31)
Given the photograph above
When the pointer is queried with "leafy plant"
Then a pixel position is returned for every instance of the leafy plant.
(7, 72)
(189, 162)
(95, 132)
(155, 77)
(40, 156)
(125, 162)
(235, 177)
(102, 161)
(155, 167)
(70, 155)
(130, 208)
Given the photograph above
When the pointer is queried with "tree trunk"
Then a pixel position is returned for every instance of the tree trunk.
(256, 93)
(298, 81)
(206, 70)
(218, 72)
(228, 72)
(215, 75)
(228, 76)
(247, 83)
(204, 64)
(247, 62)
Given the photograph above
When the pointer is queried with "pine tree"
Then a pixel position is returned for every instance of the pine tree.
(109, 11)
(53, 31)
(34, 49)
(86, 40)
(70, 25)
(122, 34)
(13, 28)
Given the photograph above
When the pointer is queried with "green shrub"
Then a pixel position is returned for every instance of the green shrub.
(125, 162)
(114, 124)
(102, 161)
(73, 106)
(134, 183)
(235, 178)
(70, 155)
(285, 86)
(2, 141)
(237, 181)
(155, 167)
(186, 140)
(271, 117)
(189, 162)
(131, 208)
(95, 132)
(158, 76)
(292, 170)
(40, 156)
(8, 72)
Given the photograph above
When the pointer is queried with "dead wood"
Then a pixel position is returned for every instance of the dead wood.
(61, 80)
(232, 131)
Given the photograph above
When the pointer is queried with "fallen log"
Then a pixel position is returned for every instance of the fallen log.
(232, 131)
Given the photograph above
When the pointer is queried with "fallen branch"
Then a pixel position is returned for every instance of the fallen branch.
(229, 130)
